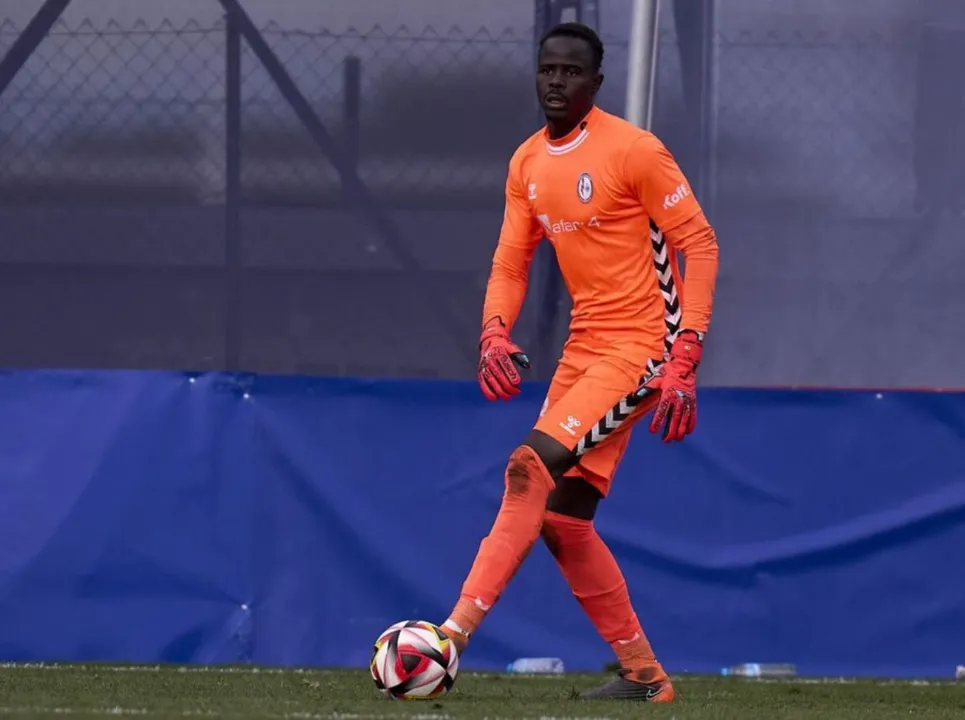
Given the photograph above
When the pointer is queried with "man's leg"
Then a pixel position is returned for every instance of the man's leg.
(594, 575)
(529, 479)
(534, 467)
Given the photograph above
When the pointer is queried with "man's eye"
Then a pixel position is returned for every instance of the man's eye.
(572, 72)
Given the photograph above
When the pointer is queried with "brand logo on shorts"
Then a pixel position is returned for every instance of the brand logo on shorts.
(571, 425)
(584, 187)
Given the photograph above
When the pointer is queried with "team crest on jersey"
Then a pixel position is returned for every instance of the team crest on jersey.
(584, 187)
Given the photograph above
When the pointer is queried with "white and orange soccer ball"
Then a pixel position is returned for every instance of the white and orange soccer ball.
(412, 660)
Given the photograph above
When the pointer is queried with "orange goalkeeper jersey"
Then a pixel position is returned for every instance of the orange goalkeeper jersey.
(593, 194)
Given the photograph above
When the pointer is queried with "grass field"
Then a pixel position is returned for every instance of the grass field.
(96, 691)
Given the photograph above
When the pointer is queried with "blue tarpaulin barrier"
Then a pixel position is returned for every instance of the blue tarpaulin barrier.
(222, 518)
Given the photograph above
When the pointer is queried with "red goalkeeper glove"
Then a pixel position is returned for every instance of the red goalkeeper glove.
(677, 383)
(498, 357)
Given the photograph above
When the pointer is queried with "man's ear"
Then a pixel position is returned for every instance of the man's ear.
(597, 83)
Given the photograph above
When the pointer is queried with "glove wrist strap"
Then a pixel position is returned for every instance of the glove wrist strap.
(494, 328)
(692, 335)
(688, 346)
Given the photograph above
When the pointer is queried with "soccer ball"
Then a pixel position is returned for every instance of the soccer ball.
(414, 659)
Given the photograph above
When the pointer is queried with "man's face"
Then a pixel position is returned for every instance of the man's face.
(566, 81)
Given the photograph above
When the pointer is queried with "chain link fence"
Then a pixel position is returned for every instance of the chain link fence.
(113, 176)
(141, 108)
(840, 199)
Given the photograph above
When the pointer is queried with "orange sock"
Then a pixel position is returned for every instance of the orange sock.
(598, 584)
(513, 534)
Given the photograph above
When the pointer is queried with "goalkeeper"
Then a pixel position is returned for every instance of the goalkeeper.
(616, 208)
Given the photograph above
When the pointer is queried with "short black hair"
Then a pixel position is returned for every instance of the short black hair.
(581, 32)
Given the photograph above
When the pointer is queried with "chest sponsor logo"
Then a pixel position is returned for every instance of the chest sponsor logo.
(558, 227)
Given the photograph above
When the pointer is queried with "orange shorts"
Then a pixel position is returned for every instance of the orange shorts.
(591, 408)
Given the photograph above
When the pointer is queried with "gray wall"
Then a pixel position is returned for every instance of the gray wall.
(836, 157)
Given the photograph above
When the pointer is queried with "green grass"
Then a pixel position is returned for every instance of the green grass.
(97, 691)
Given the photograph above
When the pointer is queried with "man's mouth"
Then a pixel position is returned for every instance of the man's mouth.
(554, 101)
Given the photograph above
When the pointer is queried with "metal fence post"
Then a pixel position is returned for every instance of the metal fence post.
(233, 260)
(708, 111)
(642, 65)
(26, 43)
(697, 47)
(352, 108)
(549, 282)
(352, 184)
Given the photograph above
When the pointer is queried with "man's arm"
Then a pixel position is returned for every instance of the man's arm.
(666, 195)
(518, 238)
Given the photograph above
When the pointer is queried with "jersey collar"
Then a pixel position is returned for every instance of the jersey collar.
(573, 139)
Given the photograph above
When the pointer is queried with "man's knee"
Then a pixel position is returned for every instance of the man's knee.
(539, 458)
(526, 470)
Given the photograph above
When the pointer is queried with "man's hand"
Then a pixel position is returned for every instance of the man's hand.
(498, 357)
(677, 383)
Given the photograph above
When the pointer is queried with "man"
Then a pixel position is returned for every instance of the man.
(606, 194)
